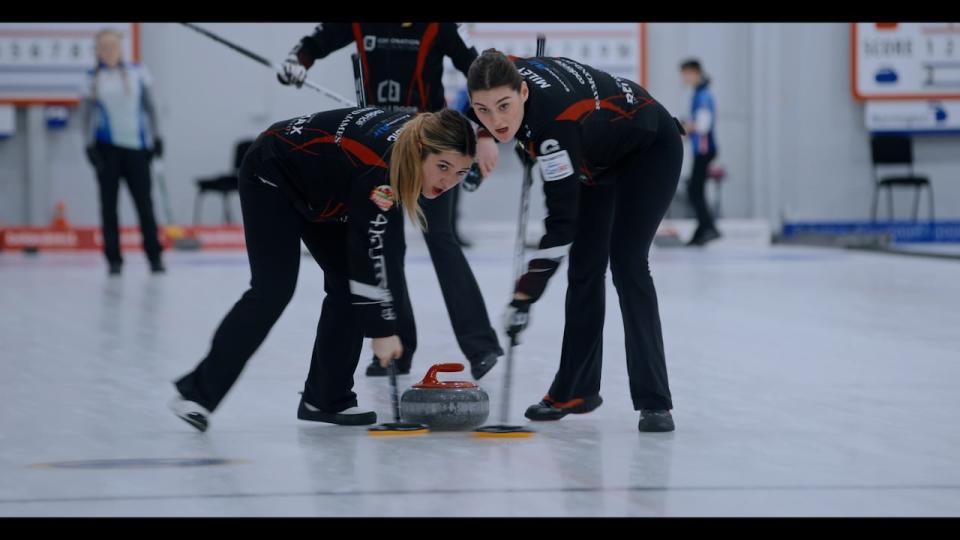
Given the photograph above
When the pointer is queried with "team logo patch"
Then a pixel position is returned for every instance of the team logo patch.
(549, 145)
(383, 197)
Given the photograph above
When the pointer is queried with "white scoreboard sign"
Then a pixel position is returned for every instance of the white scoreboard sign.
(913, 116)
(905, 60)
(617, 48)
(47, 62)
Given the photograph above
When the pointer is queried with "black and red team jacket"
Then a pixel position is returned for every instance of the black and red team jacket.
(336, 169)
(580, 124)
(402, 62)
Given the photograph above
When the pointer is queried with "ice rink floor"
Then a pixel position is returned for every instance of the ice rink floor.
(807, 382)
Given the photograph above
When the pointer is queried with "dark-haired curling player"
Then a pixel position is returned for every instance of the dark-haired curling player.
(610, 159)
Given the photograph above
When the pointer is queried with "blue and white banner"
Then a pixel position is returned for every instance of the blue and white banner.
(900, 231)
(913, 116)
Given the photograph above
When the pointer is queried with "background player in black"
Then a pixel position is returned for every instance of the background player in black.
(610, 160)
(337, 180)
(403, 68)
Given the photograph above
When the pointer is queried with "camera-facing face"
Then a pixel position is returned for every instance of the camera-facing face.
(690, 76)
(109, 48)
(443, 171)
(500, 110)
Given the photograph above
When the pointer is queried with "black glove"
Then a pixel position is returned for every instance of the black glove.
(292, 71)
(516, 318)
(94, 157)
(473, 179)
(158, 147)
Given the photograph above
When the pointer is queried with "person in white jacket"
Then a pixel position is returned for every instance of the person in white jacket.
(121, 137)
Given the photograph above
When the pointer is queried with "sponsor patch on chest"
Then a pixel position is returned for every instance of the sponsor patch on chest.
(555, 166)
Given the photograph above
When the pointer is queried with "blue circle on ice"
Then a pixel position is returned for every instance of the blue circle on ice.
(141, 463)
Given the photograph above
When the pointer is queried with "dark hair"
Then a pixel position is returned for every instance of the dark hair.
(493, 69)
(691, 63)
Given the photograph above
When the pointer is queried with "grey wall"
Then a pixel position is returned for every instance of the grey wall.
(791, 136)
(823, 148)
(209, 97)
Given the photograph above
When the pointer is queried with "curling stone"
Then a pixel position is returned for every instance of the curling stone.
(445, 405)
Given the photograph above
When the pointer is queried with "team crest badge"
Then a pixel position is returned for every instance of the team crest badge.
(383, 197)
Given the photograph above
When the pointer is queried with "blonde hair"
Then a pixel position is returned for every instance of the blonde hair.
(123, 69)
(427, 133)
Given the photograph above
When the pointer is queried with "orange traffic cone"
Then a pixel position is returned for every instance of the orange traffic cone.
(60, 217)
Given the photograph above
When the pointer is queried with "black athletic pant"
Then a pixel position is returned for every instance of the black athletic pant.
(696, 191)
(617, 223)
(273, 230)
(134, 167)
(461, 294)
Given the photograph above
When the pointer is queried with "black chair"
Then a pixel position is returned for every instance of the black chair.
(896, 150)
(224, 184)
